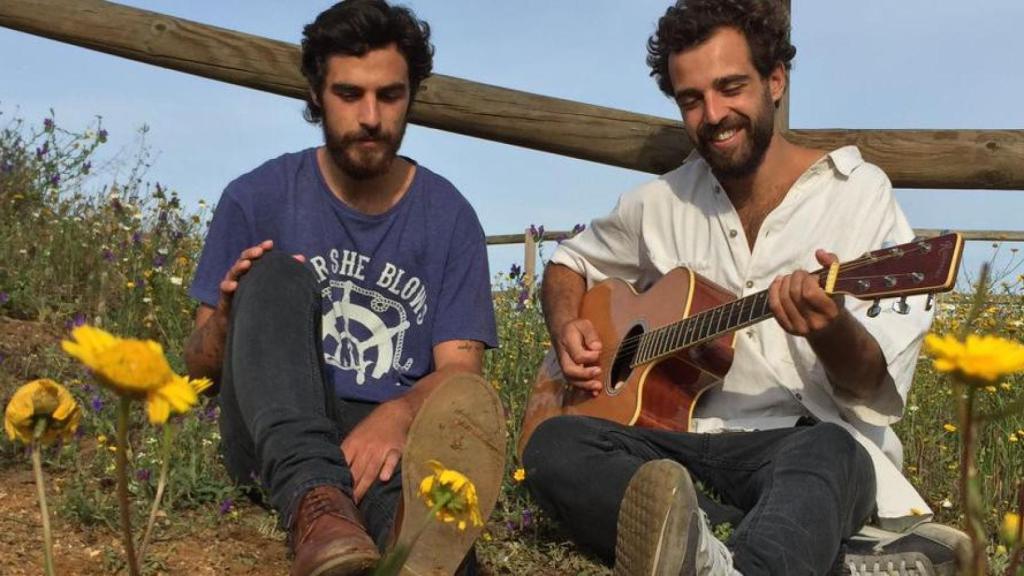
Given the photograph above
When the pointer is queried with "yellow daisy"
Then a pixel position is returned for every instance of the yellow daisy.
(135, 368)
(983, 359)
(452, 494)
(1010, 528)
(41, 399)
(519, 475)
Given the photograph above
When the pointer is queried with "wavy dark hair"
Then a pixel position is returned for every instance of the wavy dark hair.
(764, 23)
(353, 28)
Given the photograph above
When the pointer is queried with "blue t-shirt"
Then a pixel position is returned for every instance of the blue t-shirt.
(393, 285)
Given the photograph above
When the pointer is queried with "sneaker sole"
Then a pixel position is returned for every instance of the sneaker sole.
(658, 524)
(462, 425)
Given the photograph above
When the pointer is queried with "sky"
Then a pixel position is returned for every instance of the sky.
(867, 64)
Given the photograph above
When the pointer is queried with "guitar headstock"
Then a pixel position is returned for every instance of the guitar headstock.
(919, 267)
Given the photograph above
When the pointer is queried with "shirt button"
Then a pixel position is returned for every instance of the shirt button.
(733, 233)
(750, 283)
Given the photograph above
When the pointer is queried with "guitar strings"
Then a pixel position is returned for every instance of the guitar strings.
(631, 344)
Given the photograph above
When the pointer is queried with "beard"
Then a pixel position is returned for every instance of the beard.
(744, 161)
(357, 161)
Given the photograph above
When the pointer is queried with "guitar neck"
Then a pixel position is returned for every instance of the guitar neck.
(702, 327)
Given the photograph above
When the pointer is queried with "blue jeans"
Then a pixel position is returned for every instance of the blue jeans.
(791, 494)
(280, 423)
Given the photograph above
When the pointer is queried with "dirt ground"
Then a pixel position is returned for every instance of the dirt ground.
(247, 545)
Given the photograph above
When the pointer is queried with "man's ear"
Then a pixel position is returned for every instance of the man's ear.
(778, 81)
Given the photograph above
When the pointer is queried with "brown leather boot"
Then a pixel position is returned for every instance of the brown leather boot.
(329, 538)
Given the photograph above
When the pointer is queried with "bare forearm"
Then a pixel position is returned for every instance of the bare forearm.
(852, 358)
(561, 295)
(204, 351)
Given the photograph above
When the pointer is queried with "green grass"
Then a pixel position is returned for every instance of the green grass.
(102, 245)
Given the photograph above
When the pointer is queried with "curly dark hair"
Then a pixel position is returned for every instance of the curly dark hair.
(353, 28)
(764, 23)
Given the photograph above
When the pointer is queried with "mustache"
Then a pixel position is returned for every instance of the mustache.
(367, 136)
(708, 131)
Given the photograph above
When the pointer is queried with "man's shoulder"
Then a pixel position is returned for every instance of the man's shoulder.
(271, 177)
(440, 193)
(850, 165)
(681, 182)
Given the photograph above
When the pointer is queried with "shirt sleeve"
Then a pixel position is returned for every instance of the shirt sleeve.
(609, 248)
(229, 234)
(898, 335)
(465, 309)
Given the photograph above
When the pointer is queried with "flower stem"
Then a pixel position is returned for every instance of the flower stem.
(37, 469)
(970, 490)
(165, 454)
(122, 484)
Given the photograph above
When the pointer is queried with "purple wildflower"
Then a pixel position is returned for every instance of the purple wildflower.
(102, 136)
(48, 125)
(4, 298)
(159, 260)
(136, 238)
(87, 388)
(178, 235)
(96, 403)
(86, 167)
(40, 152)
(108, 255)
(55, 179)
(140, 283)
(524, 297)
(537, 232)
(142, 475)
(226, 506)
(75, 321)
(515, 271)
(527, 519)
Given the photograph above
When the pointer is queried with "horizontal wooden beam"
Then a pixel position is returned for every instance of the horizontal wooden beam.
(970, 235)
(989, 159)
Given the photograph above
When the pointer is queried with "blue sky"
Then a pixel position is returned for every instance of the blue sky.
(867, 64)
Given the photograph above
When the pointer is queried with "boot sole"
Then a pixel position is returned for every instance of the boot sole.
(462, 425)
(348, 566)
(658, 525)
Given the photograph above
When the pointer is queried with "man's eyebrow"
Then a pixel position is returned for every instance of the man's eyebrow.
(345, 87)
(726, 81)
(393, 86)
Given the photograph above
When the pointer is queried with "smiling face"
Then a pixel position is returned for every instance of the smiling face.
(365, 101)
(728, 108)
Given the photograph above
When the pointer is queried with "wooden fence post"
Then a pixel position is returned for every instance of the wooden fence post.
(529, 258)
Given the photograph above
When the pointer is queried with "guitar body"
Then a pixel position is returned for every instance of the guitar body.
(658, 394)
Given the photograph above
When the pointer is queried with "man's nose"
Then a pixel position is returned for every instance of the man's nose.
(369, 113)
(715, 110)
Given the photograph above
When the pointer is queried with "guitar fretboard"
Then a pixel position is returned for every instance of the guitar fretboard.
(702, 327)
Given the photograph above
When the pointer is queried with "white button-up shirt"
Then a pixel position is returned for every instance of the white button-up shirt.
(842, 204)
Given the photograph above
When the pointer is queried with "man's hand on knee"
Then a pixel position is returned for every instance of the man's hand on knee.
(374, 448)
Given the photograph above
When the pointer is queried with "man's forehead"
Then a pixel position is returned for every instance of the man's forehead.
(377, 66)
(725, 53)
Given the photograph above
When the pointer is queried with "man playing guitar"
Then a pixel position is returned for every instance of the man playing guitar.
(794, 443)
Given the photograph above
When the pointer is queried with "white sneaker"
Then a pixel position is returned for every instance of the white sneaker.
(662, 531)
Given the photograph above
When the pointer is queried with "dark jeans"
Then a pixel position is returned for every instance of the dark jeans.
(792, 494)
(280, 423)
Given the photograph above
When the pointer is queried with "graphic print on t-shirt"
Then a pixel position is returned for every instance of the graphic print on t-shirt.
(364, 322)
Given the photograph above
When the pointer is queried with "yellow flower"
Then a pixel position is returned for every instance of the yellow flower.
(979, 358)
(1010, 528)
(452, 494)
(519, 475)
(1012, 437)
(101, 439)
(41, 399)
(949, 427)
(134, 368)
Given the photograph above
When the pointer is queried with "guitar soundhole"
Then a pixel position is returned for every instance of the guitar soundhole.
(622, 366)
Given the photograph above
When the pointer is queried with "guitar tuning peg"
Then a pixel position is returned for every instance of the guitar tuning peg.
(928, 303)
(901, 306)
(875, 309)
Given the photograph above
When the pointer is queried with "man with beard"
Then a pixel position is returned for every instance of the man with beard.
(796, 438)
(344, 310)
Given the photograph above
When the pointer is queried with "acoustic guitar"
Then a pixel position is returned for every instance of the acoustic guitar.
(665, 347)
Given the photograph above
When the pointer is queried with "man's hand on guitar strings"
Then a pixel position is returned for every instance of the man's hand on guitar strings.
(801, 305)
(579, 353)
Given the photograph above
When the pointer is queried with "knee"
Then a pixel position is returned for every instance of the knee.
(275, 275)
(833, 447)
(549, 453)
